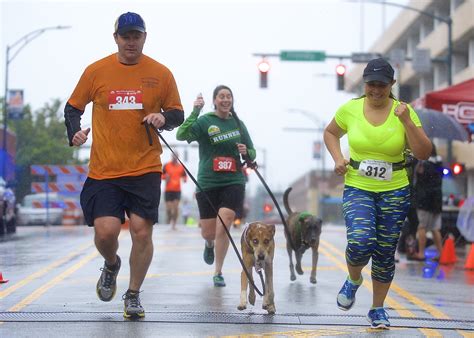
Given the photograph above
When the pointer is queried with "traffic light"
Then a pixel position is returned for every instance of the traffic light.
(267, 207)
(263, 68)
(457, 168)
(340, 72)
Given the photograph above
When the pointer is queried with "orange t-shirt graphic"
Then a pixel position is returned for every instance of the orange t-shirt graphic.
(172, 174)
(122, 96)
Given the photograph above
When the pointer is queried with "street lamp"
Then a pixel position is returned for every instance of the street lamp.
(446, 20)
(20, 43)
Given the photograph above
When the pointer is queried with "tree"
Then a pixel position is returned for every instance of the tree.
(41, 139)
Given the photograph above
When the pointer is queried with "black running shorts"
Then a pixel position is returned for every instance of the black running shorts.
(139, 195)
(172, 196)
(230, 196)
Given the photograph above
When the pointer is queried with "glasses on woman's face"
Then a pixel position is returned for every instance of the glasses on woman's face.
(377, 84)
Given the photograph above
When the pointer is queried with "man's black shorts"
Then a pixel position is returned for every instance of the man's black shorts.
(172, 196)
(139, 195)
(230, 196)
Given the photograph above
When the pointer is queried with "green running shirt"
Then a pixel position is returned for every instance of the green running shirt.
(217, 137)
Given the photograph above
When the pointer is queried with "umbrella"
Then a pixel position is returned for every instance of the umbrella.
(440, 125)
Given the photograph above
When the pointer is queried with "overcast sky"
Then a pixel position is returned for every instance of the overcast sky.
(206, 43)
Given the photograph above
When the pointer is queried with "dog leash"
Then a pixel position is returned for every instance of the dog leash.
(249, 276)
(253, 165)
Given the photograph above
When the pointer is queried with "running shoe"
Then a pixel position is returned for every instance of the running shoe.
(346, 297)
(132, 307)
(378, 318)
(208, 254)
(218, 281)
(107, 283)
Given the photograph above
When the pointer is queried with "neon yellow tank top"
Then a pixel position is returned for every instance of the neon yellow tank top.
(385, 142)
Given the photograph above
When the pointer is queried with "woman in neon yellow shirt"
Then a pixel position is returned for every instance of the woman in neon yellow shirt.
(376, 193)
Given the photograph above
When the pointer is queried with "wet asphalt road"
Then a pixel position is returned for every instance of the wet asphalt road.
(52, 274)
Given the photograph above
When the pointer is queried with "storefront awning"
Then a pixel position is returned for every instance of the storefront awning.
(457, 100)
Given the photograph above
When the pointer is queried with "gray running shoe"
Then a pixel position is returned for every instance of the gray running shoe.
(107, 283)
(132, 307)
(208, 255)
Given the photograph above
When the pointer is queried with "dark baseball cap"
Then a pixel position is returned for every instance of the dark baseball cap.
(378, 70)
(129, 22)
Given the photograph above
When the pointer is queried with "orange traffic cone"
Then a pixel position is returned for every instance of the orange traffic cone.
(448, 254)
(2, 280)
(470, 259)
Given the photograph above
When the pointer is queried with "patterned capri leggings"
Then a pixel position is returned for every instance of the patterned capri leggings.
(373, 223)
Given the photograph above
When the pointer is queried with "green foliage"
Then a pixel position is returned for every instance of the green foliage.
(40, 139)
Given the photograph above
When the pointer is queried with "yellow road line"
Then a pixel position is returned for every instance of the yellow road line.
(401, 310)
(391, 302)
(187, 273)
(341, 265)
(43, 271)
(41, 290)
(211, 272)
(400, 291)
(322, 332)
(418, 302)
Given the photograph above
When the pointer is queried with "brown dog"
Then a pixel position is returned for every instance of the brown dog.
(258, 247)
(305, 230)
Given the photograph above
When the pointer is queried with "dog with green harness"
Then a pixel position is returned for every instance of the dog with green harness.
(305, 230)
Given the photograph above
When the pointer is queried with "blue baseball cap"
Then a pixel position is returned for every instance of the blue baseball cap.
(129, 22)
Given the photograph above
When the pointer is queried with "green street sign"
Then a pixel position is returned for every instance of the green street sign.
(302, 55)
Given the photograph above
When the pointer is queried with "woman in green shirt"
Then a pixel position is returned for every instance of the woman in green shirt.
(222, 139)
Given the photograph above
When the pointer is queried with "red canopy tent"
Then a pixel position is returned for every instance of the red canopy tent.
(457, 100)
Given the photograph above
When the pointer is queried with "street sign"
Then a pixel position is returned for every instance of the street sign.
(302, 55)
(397, 57)
(15, 104)
(421, 61)
(364, 57)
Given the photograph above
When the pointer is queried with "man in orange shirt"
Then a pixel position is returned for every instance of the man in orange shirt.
(128, 90)
(173, 172)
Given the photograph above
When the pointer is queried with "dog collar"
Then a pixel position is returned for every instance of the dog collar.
(303, 215)
(244, 234)
(299, 233)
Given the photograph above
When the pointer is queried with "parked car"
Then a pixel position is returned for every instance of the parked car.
(34, 209)
(7, 209)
